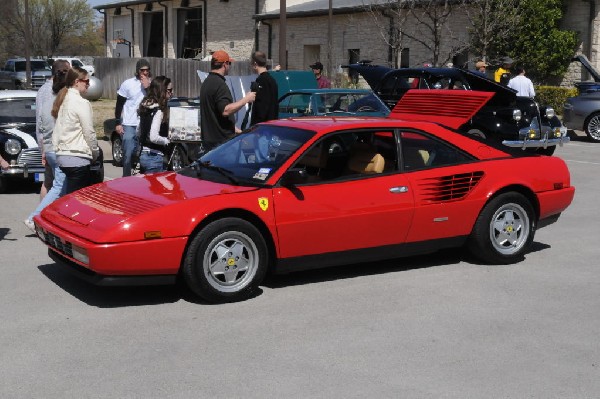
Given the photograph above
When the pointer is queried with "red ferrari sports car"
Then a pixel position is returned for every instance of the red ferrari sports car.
(312, 192)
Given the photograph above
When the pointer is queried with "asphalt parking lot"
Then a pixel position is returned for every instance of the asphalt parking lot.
(435, 326)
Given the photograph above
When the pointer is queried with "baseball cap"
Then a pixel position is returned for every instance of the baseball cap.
(316, 65)
(142, 63)
(507, 60)
(221, 56)
(480, 64)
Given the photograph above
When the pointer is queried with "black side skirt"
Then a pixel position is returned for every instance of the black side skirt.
(288, 265)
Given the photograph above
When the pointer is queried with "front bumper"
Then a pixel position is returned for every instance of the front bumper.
(24, 171)
(548, 138)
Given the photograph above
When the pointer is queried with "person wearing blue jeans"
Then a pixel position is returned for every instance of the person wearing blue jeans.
(154, 124)
(129, 96)
(58, 187)
(130, 144)
(44, 125)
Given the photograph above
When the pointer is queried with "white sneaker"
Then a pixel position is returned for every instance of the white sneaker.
(29, 224)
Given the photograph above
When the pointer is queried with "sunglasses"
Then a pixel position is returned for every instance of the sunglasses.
(145, 69)
(169, 90)
(86, 81)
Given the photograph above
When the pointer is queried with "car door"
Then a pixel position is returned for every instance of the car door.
(440, 178)
(353, 197)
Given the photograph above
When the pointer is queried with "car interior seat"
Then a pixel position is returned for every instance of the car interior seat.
(365, 159)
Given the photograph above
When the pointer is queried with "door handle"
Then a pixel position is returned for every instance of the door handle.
(399, 190)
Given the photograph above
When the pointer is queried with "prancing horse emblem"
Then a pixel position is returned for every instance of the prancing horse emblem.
(263, 202)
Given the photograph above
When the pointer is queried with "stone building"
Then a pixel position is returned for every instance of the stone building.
(344, 34)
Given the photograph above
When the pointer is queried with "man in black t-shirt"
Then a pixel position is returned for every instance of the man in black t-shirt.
(217, 109)
(266, 106)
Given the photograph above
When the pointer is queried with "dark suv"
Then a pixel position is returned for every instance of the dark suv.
(514, 121)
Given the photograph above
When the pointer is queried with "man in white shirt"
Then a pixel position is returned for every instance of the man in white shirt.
(522, 84)
(129, 97)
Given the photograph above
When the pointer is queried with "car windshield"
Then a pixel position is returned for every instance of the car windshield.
(250, 158)
(35, 66)
(332, 103)
(351, 103)
(17, 110)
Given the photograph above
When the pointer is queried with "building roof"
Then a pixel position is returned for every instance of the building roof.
(321, 7)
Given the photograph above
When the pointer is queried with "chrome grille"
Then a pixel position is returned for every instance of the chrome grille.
(32, 157)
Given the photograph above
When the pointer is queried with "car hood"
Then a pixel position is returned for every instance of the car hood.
(95, 212)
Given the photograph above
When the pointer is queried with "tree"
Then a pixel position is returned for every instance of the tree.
(527, 31)
(52, 23)
(491, 22)
(426, 22)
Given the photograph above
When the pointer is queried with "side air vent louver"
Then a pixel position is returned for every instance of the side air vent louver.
(448, 188)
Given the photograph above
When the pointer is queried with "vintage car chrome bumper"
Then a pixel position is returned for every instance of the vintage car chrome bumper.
(23, 170)
(550, 137)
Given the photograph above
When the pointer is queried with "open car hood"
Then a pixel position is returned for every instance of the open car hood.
(586, 64)
(375, 74)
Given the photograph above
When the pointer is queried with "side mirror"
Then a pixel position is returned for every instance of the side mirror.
(294, 176)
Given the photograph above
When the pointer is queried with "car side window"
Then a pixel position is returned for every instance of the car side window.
(349, 155)
(420, 151)
(295, 105)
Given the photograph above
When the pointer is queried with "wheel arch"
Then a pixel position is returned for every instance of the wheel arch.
(240, 214)
(523, 190)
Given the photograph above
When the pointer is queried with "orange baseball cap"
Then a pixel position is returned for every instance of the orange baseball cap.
(221, 56)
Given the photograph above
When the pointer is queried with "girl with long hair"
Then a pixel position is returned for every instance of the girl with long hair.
(154, 124)
(74, 138)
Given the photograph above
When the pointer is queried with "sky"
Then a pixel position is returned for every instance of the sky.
(96, 2)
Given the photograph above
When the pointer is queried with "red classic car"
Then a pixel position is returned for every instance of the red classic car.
(312, 192)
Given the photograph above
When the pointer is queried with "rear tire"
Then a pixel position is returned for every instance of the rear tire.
(178, 159)
(504, 230)
(592, 127)
(226, 261)
(117, 150)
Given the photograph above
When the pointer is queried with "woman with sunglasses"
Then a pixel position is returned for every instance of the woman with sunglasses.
(154, 124)
(74, 138)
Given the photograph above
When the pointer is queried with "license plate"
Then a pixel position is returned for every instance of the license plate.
(39, 177)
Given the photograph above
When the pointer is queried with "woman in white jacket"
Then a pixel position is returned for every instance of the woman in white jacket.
(74, 138)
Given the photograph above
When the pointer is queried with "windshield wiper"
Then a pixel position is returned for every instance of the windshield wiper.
(222, 171)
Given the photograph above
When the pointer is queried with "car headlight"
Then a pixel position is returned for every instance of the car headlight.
(550, 112)
(12, 146)
(517, 114)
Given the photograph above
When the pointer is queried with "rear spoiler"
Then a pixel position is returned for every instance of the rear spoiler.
(452, 108)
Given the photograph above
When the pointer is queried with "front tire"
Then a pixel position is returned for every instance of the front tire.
(504, 230)
(226, 261)
(592, 127)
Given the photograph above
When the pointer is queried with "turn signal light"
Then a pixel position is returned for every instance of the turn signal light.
(150, 235)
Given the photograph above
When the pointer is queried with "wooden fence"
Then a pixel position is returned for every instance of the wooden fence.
(183, 73)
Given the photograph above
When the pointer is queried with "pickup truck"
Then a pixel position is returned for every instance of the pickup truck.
(13, 75)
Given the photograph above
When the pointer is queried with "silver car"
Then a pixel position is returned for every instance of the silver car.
(583, 111)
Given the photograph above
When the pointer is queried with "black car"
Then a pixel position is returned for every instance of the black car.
(18, 145)
(514, 121)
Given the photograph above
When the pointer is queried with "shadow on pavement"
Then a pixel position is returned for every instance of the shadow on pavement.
(111, 297)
